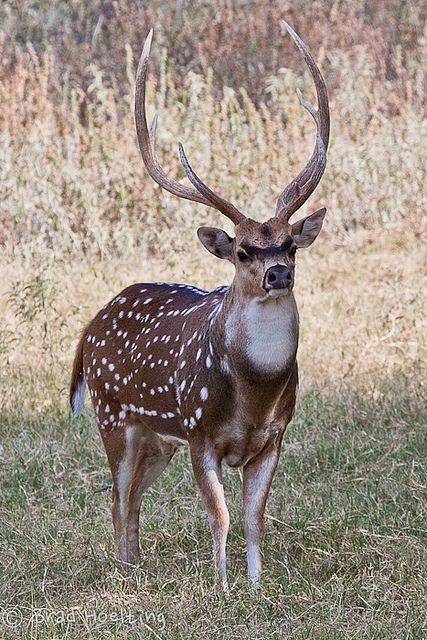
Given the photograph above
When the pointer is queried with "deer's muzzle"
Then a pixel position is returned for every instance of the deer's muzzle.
(277, 277)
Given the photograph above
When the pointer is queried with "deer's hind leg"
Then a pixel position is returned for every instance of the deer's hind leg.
(137, 457)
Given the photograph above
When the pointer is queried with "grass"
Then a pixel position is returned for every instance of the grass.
(345, 547)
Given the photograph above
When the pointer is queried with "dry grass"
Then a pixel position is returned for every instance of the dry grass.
(71, 179)
(84, 189)
(346, 537)
(240, 39)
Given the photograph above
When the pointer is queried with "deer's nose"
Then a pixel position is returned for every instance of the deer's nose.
(277, 277)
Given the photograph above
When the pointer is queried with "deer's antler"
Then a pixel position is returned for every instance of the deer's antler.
(301, 187)
(146, 139)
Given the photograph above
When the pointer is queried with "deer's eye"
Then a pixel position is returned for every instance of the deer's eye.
(243, 256)
(292, 252)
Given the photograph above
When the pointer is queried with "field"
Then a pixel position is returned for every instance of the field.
(345, 550)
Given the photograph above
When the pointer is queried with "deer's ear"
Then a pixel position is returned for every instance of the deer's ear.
(305, 231)
(216, 241)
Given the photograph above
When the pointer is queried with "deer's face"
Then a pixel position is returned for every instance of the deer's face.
(263, 254)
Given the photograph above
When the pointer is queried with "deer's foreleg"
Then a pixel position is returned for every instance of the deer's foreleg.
(257, 477)
(207, 470)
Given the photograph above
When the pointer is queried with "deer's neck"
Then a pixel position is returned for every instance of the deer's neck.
(259, 337)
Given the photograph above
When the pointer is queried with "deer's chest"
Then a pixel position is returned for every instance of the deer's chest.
(259, 415)
(245, 441)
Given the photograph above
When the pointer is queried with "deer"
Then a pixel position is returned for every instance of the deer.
(170, 365)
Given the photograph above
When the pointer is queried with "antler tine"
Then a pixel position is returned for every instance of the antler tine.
(219, 203)
(301, 187)
(146, 141)
(307, 105)
(153, 129)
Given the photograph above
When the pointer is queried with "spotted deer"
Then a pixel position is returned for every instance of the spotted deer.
(169, 365)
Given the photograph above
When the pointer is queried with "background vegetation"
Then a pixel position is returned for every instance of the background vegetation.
(79, 219)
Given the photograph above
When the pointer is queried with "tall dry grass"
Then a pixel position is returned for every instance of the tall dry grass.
(74, 184)
(222, 79)
(240, 39)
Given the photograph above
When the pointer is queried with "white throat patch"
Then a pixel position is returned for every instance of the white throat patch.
(271, 332)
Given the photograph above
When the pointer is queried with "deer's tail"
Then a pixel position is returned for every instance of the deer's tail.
(78, 379)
